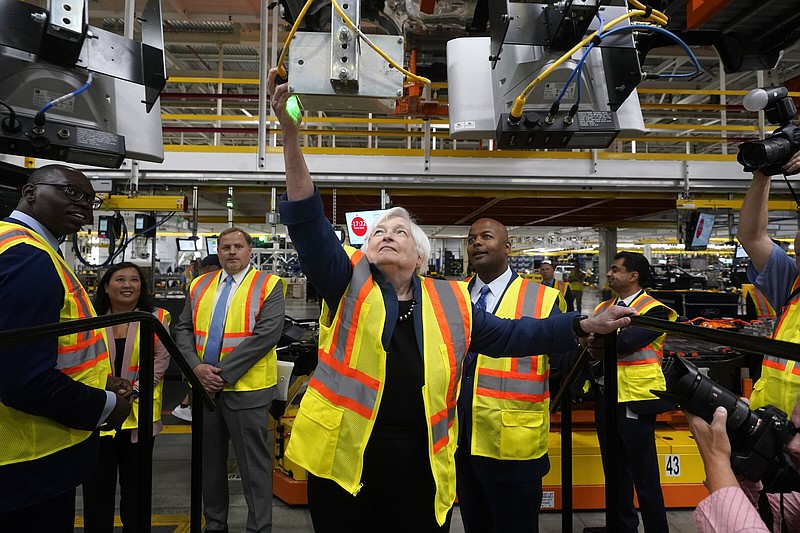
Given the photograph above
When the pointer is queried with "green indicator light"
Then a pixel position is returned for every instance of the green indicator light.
(293, 108)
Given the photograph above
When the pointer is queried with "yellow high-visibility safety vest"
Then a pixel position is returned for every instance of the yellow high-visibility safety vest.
(132, 374)
(779, 384)
(760, 302)
(239, 322)
(344, 394)
(511, 396)
(82, 356)
(562, 287)
(639, 372)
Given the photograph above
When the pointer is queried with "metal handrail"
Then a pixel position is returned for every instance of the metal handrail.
(149, 325)
(741, 341)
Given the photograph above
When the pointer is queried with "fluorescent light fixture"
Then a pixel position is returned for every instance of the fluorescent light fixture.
(246, 112)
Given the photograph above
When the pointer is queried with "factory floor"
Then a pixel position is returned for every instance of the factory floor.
(171, 468)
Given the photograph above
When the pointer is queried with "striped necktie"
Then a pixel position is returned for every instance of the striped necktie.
(480, 304)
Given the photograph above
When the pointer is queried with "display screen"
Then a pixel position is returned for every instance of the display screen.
(102, 226)
(359, 224)
(698, 231)
(211, 245)
(186, 245)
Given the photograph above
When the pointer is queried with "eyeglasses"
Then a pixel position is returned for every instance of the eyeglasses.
(75, 194)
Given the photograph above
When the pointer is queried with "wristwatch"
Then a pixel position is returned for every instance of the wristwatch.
(576, 326)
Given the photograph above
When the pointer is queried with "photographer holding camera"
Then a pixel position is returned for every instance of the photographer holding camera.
(729, 508)
(776, 276)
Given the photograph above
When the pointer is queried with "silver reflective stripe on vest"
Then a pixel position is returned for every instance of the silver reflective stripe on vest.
(230, 342)
(78, 357)
(776, 360)
(347, 387)
(84, 305)
(646, 352)
(446, 292)
(525, 365)
(513, 385)
(133, 375)
(335, 381)
(361, 276)
(202, 285)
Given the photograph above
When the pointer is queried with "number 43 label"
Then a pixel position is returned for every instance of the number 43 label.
(672, 467)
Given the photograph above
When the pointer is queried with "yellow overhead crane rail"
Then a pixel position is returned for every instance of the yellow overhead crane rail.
(660, 133)
(121, 202)
(773, 205)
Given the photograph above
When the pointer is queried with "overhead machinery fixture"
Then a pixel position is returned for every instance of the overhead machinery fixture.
(72, 92)
(512, 85)
(344, 70)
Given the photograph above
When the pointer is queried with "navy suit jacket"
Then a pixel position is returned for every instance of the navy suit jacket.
(32, 295)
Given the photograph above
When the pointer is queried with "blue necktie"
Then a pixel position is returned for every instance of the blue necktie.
(215, 330)
(480, 304)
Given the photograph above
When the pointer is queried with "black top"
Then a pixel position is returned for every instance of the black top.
(119, 344)
(401, 404)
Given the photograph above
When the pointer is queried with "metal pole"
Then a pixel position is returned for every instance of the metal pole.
(610, 460)
(566, 462)
(153, 260)
(146, 357)
(263, 70)
(230, 207)
(196, 495)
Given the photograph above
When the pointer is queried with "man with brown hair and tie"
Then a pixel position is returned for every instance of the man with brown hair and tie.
(228, 331)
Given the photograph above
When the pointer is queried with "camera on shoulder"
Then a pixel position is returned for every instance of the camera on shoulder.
(769, 155)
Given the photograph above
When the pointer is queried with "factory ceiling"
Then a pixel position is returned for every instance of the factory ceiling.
(211, 39)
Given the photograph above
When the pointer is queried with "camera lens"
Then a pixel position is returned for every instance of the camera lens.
(757, 154)
(700, 395)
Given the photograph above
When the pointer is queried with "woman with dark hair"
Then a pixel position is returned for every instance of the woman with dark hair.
(123, 289)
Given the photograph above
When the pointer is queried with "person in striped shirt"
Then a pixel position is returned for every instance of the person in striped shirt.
(731, 506)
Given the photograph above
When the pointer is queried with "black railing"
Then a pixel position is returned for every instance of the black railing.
(150, 325)
(740, 341)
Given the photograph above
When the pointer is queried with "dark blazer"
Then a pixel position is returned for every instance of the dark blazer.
(32, 294)
(328, 268)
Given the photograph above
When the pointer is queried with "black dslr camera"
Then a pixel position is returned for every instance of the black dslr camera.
(757, 437)
(773, 152)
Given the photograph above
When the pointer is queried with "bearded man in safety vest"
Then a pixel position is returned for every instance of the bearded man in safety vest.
(775, 274)
(228, 331)
(639, 353)
(52, 395)
(503, 401)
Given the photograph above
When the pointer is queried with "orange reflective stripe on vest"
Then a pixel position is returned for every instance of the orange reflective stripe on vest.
(523, 381)
(511, 396)
(760, 302)
(243, 309)
(447, 303)
(338, 411)
(334, 378)
(640, 372)
(82, 356)
(779, 384)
